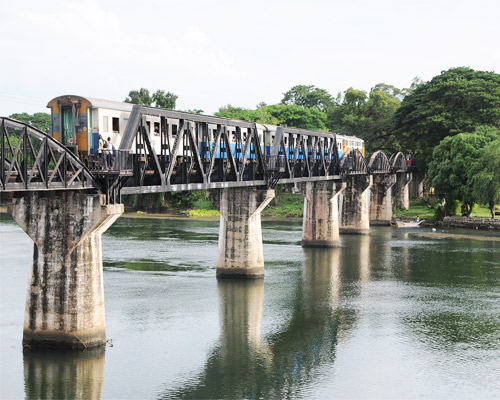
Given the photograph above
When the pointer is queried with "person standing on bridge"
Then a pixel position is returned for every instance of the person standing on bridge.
(110, 154)
(102, 152)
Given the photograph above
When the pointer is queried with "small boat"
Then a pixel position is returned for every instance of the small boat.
(408, 224)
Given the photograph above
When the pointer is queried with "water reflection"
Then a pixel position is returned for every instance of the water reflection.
(243, 365)
(63, 375)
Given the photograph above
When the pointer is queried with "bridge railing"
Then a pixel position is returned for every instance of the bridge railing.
(32, 160)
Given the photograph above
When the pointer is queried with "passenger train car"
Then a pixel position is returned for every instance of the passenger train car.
(78, 121)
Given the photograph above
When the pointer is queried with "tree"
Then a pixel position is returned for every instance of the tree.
(160, 98)
(456, 101)
(292, 116)
(308, 96)
(39, 120)
(455, 162)
(368, 116)
(486, 182)
(140, 96)
(164, 99)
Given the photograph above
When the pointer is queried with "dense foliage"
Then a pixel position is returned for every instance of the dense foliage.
(456, 101)
(160, 98)
(39, 120)
(463, 168)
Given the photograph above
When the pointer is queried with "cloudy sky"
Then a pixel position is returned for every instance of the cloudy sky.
(215, 52)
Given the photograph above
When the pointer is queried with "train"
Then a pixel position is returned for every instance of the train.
(78, 121)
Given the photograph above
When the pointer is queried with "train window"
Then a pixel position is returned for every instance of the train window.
(116, 125)
(157, 128)
(105, 124)
(214, 134)
(148, 124)
(174, 130)
(286, 140)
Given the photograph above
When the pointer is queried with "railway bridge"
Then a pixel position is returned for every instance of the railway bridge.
(65, 205)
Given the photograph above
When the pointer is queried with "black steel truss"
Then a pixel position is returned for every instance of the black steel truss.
(379, 163)
(398, 162)
(32, 160)
(204, 154)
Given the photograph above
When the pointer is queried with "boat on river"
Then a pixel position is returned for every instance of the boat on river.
(408, 224)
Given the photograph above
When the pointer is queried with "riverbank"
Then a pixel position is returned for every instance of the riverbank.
(471, 223)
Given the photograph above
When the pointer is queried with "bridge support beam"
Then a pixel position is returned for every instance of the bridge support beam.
(401, 190)
(381, 199)
(417, 184)
(355, 205)
(320, 227)
(241, 252)
(65, 301)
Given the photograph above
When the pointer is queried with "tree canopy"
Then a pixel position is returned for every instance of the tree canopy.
(368, 116)
(160, 98)
(39, 120)
(308, 96)
(456, 101)
(292, 116)
(456, 163)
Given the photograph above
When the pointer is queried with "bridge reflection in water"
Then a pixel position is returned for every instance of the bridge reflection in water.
(244, 365)
(64, 374)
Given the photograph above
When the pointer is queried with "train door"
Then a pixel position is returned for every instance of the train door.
(68, 127)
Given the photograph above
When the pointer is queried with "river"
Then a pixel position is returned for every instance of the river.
(390, 315)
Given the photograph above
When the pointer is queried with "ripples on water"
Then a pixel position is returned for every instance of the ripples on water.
(389, 315)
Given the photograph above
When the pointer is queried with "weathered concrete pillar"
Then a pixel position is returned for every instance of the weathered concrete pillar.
(417, 184)
(65, 302)
(381, 199)
(241, 253)
(320, 226)
(401, 191)
(355, 205)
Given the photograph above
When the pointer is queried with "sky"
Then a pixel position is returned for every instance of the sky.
(213, 53)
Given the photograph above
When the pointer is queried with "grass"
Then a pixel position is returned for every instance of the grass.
(287, 205)
(202, 213)
(423, 209)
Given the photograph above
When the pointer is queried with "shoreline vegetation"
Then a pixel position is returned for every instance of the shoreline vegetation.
(285, 205)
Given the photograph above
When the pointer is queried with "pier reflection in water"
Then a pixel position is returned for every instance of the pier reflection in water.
(386, 315)
(64, 374)
(243, 366)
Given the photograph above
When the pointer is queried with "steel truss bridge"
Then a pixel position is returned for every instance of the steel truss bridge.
(34, 161)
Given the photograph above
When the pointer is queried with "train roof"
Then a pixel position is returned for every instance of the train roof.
(96, 103)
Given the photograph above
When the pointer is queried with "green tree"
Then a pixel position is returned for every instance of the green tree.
(292, 116)
(164, 99)
(368, 116)
(39, 120)
(455, 162)
(486, 182)
(140, 96)
(456, 101)
(308, 96)
(240, 113)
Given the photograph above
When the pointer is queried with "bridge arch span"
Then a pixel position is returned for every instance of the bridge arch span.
(353, 163)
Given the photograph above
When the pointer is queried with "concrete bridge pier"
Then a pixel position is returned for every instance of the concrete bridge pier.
(381, 199)
(320, 227)
(355, 205)
(65, 301)
(401, 190)
(417, 184)
(241, 253)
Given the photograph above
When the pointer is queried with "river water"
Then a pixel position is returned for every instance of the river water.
(391, 315)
